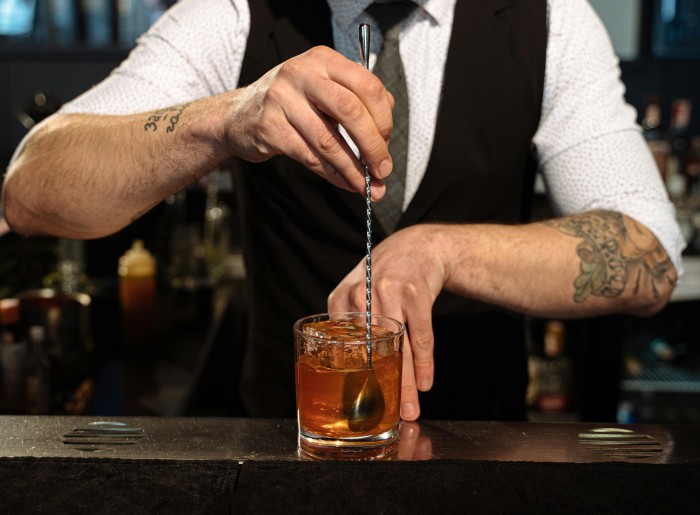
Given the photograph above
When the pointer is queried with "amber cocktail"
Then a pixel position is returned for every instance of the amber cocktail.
(344, 408)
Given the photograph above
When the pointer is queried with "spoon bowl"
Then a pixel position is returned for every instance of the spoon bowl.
(363, 400)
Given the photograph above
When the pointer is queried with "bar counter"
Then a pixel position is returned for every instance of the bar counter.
(224, 465)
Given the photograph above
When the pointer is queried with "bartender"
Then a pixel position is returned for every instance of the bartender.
(491, 92)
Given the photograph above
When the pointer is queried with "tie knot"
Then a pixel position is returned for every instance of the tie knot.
(390, 16)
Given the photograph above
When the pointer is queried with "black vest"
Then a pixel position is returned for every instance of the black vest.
(301, 235)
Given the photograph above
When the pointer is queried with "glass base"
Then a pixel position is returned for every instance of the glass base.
(383, 446)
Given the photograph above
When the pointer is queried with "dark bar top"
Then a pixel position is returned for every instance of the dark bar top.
(84, 465)
(243, 439)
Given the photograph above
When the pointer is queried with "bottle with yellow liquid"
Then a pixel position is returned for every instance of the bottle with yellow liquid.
(137, 294)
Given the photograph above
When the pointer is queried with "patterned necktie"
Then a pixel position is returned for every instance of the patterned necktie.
(390, 17)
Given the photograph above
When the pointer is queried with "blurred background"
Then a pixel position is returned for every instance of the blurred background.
(151, 320)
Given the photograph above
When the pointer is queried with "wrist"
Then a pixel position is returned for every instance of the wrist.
(438, 240)
(209, 126)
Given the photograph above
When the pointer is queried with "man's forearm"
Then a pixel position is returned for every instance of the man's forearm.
(85, 176)
(585, 264)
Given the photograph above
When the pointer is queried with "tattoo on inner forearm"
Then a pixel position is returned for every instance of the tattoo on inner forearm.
(168, 116)
(614, 250)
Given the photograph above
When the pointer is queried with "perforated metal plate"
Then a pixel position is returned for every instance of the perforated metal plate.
(619, 442)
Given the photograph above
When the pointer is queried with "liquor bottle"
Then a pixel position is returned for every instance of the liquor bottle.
(13, 351)
(38, 375)
(678, 130)
(678, 138)
(555, 372)
(651, 123)
(651, 126)
(137, 294)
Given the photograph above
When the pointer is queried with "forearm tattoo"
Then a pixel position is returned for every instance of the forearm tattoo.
(615, 253)
(168, 116)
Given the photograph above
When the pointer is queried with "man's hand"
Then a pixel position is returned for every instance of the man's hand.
(295, 110)
(407, 276)
(585, 264)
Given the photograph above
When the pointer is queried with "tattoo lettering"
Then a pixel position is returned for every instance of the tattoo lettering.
(614, 250)
(169, 116)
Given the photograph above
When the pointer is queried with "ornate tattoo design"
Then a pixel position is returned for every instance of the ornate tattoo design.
(168, 115)
(614, 251)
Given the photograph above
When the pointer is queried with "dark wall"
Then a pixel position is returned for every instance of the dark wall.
(62, 73)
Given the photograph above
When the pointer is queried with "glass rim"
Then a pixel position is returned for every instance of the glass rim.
(349, 314)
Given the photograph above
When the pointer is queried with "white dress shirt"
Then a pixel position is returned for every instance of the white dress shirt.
(589, 147)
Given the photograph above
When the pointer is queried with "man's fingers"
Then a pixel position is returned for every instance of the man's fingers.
(422, 346)
(410, 407)
(297, 107)
(321, 148)
(343, 106)
(370, 90)
(357, 100)
(349, 175)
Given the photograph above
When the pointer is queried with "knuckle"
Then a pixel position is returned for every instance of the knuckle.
(350, 109)
(267, 102)
(319, 51)
(423, 342)
(385, 129)
(408, 387)
(377, 147)
(328, 143)
(274, 94)
(308, 158)
(358, 297)
(291, 69)
(385, 287)
(410, 290)
(374, 88)
(267, 131)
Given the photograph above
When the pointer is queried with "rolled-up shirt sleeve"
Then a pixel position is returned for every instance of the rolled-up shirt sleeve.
(189, 53)
(590, 148)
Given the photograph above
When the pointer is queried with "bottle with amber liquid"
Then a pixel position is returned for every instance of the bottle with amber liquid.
(137, 295)
(557, 369)
(550, 392)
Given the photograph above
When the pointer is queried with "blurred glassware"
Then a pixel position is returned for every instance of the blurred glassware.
(17, 17)
(69, 276)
